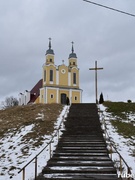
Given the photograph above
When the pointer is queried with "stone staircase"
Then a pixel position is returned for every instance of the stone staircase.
(81, 152)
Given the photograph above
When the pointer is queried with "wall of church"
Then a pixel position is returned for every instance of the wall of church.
(76, 96)
(49, 59)
(76, 71)
(42, 95)
(49, 75)
(52, 95)
(63, 75)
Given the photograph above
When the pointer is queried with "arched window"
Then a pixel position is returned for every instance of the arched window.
(44, 75)
(51, 75)
(51, 96)
(74, 78)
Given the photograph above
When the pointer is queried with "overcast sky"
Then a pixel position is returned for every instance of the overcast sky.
(98, 34)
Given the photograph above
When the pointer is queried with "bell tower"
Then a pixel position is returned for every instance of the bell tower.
(49, 54)
(72, 58)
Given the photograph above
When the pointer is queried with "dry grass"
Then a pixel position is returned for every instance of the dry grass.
(13, 119)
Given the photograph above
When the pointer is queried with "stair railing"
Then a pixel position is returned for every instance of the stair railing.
(120, 170)
(49, 144)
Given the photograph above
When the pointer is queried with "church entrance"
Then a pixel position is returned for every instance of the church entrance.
(63, 98)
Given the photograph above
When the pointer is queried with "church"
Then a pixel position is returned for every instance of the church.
(58, 82)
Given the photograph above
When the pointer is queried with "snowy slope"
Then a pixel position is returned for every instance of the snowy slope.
(12, 152)
(124, 145)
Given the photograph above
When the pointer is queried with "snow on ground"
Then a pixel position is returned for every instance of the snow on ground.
(12, 152)
(12, 149)
(123, 145)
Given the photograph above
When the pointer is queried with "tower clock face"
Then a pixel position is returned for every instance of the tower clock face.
(63, 71)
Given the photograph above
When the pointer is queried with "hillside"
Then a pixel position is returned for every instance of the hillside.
(26, 130)
(123, 118)
(120, 121)
(23, 129)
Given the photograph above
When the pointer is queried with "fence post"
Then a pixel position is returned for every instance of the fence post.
(111, 150)
(23, 177)
(58, 134)
(129, 173)
(120, 165)
(35, 167)
(50, 149)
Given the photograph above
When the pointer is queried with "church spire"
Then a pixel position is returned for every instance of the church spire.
(72, 55)
(50, 43)
(72, 47)
(50, 51)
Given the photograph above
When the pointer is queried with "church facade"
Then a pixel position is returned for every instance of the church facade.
(59, 82)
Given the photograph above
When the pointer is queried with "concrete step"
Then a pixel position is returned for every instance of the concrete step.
(81, 152)
(81, 169)
(77, 176)
(80, 163)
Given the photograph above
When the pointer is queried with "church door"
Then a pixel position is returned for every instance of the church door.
(63, 98)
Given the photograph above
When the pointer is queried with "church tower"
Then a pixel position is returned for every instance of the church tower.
(60, 82)
(73, 68)
(49, 54)
(72, 58)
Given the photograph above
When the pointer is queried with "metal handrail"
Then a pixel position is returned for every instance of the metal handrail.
(49, 144)
(129, 172)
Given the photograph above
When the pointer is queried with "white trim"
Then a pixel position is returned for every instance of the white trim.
(69, 78)
(75, 68)
(70, 96)
(49, 54)
(57, 77)
(57, 96)
(81, 97)
(63, 71)
(72, 58)
(46, 95)
(52, 88)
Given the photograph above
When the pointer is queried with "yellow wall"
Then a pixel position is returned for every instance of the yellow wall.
(74, 70)
(48, 68)
(63, 75)
(63, 92)
(48, 57)
(72, 61)
(76, 94)
(42, 96)
(54, 98)
(37, 100)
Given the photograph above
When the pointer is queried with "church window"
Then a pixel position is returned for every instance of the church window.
(75, 98)
(51, 75)
(74, 78)
(44, 75)
(73, 63)
(51, 96)
(50, 60)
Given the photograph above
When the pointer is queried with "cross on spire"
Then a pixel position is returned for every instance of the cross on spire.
(72, 47)
(95, 69)
(50, 43)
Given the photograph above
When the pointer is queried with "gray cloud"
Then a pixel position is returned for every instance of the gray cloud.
(99, 34)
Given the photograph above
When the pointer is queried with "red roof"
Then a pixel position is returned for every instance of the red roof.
(35, 91)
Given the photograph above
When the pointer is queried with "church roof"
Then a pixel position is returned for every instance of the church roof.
(35, 91)
(72, 55)
(50, 51)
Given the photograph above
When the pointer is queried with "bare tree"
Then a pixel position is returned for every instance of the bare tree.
(10, 102)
